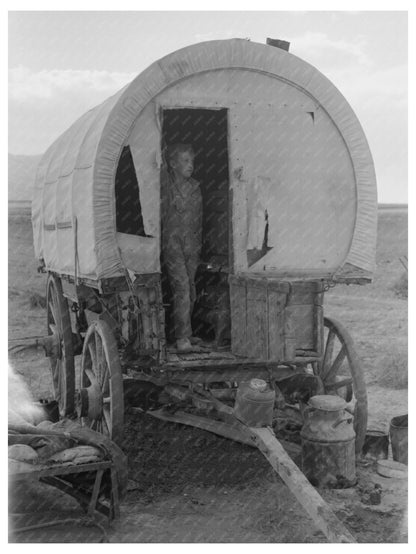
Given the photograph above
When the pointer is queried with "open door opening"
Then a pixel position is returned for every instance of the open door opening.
(206, 130)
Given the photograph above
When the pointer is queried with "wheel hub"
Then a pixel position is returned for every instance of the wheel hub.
(90, 402)
(52, 345)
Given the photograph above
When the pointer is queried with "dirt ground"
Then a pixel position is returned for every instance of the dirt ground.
(187, 485)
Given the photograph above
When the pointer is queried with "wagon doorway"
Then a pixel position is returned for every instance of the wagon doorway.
(207, 131)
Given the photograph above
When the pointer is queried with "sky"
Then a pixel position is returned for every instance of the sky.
(63, 63)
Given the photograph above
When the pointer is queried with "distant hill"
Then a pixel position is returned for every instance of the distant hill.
(22, 171)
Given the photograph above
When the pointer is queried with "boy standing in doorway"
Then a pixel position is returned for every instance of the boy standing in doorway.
(181, 238)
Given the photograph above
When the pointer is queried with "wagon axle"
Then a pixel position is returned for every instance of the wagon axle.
(52, 345)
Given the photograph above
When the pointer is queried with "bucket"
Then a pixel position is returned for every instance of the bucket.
(254, 403)
(398, 438)
(376, 445)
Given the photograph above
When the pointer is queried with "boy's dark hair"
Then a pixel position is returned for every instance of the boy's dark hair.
(179, 148)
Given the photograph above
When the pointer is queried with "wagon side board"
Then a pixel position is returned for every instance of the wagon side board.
(276, 320)
(134, 310)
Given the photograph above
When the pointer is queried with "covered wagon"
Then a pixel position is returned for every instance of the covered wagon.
(289, 209)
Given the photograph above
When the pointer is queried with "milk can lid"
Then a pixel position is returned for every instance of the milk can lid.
(327, 402)
(258, 385)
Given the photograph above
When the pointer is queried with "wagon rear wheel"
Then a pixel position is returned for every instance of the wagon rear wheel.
(101, 401)
(60, 351)
(342, 375)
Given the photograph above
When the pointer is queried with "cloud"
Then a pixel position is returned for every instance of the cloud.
(321, 50)
(368, 86)
(373, 90)
(27, 85)
(42, 104)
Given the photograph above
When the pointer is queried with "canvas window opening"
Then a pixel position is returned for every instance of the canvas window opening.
(129, 218)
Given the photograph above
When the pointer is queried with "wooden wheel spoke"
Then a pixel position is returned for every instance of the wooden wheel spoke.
(93, 355)
(106, 382)
(104, 376)
(53, 328)
(329, 350)
(53, 311)
(107, 418)
(57, 382)
(92, 377)
(54, 366)
(59, 377)
(335, 367)
(99, 355)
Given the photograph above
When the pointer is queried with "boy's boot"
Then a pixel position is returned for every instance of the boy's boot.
(183, 345)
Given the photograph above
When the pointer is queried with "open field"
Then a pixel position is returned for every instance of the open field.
(190, 486)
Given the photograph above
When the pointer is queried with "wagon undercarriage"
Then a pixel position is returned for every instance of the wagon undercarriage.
(198, 388)
(109, 365)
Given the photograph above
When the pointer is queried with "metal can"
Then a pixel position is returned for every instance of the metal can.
(328, 443)
(254, 403)
(399, 438)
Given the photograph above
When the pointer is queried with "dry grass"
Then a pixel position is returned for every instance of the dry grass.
(394, 370)
(401, 286)
(36, 300)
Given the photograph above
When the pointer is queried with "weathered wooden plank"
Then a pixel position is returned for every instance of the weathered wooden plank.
(303, 317)
(308, 497)
(319, 328)
(289, 333)
(95, 492)
(303, 295)
(220, 428)
(217, 427)
(238, 303)
(276, 316)
(39, 471)
(302, 308)
(257, 335)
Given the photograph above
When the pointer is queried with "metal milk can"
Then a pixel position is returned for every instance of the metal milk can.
(328, 442)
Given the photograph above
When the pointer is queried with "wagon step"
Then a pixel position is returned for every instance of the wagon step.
(264, 439)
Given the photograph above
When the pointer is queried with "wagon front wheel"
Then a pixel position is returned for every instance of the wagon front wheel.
(101, 401)
(59, 346)
(341, 374)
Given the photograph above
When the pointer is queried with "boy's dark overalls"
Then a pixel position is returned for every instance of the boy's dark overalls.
(181, 246)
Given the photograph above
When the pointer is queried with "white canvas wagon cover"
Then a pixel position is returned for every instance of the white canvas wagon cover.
(296, 151)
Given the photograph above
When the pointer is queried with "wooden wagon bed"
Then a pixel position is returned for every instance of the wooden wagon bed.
(54, 474)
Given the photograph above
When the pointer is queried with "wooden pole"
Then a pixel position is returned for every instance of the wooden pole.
(309, 498)
(264, 439)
